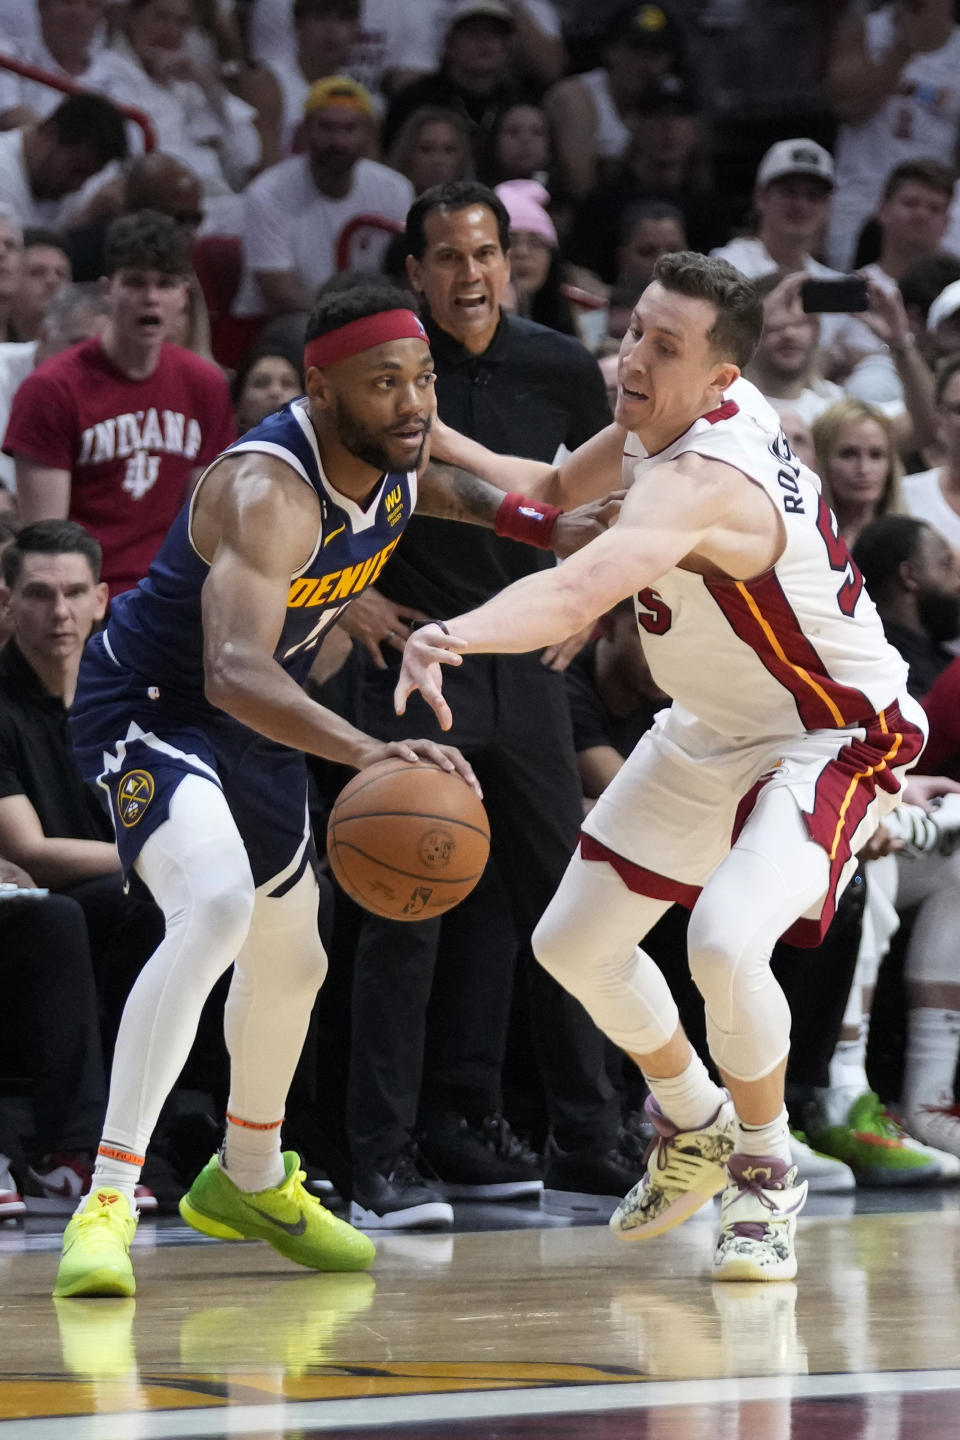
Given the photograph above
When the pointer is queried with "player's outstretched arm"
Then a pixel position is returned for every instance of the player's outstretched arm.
(593, 470)
(663, 519)
(262, 515)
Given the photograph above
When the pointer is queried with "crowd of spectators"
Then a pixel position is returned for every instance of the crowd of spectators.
(519, 165)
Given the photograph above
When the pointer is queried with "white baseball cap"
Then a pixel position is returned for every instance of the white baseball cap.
(488, 9)
(796, 157)
(946, 304)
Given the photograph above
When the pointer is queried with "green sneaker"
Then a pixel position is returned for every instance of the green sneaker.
(872, 1144)
(96, 1248)
(287, 1216)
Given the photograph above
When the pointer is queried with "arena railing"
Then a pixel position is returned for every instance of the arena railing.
(71, 87)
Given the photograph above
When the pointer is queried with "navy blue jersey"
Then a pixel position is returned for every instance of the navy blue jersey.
(156, 629)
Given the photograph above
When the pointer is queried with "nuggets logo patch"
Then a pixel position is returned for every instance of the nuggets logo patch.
(133, 797)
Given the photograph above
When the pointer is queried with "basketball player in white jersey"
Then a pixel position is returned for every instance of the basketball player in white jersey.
(787, 740)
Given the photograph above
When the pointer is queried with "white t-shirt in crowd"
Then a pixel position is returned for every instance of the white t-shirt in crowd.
(919, 122)
(15, 186)
(924, 499)
(41, 99)
(289, 226)
(810, 403)
(611, 136)
(394, 34)
(220, 151)
(17, 360)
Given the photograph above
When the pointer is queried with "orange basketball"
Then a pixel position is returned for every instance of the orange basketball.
(407, 841)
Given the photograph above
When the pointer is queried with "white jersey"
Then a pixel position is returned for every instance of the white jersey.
(798, 648)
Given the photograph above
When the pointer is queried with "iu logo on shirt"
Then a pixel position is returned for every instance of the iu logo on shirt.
(140, 474)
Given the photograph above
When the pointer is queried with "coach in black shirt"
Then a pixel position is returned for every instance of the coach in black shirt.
(522, 389)
(50, 822)
(52, 828)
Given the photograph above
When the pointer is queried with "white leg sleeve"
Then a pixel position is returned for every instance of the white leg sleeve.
(587, 939)
(933, 882)
(278, 973)
(772, 876)
(196, 867)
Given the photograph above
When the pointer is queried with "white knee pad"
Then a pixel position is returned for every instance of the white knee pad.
(747, 1015)
(587, 939)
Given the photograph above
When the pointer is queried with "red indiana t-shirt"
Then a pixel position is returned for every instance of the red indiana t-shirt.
(131, 446)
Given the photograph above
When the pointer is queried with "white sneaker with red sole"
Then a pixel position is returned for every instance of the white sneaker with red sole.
(56, 1185)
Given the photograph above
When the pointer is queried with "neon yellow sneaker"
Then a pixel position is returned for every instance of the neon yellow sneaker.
(96, 1247)
(287, 1216)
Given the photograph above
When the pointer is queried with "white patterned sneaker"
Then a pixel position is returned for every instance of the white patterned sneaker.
(758, 1220)
(685, 1169)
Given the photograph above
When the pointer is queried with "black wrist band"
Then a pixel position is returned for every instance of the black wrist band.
(419, 624)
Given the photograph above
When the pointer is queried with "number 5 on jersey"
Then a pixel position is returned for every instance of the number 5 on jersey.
(840, 559)
(653, 612)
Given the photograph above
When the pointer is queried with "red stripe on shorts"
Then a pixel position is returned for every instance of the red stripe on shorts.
(638, 879)
(845, 789)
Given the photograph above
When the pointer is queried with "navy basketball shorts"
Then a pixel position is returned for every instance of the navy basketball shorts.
(135, 743)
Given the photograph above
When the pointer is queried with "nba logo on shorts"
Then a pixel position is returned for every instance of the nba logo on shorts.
(133, 797)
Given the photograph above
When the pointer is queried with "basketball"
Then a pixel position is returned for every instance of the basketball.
(407, 841)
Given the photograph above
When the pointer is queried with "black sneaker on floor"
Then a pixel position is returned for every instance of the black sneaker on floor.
(480, 1162)
(402, 1199)
(594, 1178)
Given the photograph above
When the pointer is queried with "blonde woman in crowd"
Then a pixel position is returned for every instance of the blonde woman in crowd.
(858, 462)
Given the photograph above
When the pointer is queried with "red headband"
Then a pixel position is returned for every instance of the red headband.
(362, 335)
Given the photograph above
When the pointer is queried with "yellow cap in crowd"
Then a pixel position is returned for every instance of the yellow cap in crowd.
(338, 90)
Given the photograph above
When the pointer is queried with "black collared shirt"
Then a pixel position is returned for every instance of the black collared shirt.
(529, 393)
(35, 755)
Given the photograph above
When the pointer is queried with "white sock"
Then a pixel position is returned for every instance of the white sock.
(251, 1153)
(933, 1041)
(770, 1139)
(119, 1169)
(689, 1099)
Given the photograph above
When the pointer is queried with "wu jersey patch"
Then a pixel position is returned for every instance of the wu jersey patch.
(133, 796)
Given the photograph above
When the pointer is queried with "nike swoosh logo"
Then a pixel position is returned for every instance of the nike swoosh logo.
(289, 1227)
(333, 535)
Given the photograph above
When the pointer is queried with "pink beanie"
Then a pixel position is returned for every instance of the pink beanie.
(525, 201)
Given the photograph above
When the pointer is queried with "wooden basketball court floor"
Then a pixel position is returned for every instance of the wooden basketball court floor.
(516, 1326)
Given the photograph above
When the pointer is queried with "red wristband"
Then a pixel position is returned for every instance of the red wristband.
(530, 521)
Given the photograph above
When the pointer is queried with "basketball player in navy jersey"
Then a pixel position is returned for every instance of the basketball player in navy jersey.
(191, 719)
(787, 741)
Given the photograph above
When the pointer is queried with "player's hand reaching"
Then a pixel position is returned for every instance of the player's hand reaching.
(374, 621)
(575, 528)
(558, 657)
(426, 650)
(446, 757)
